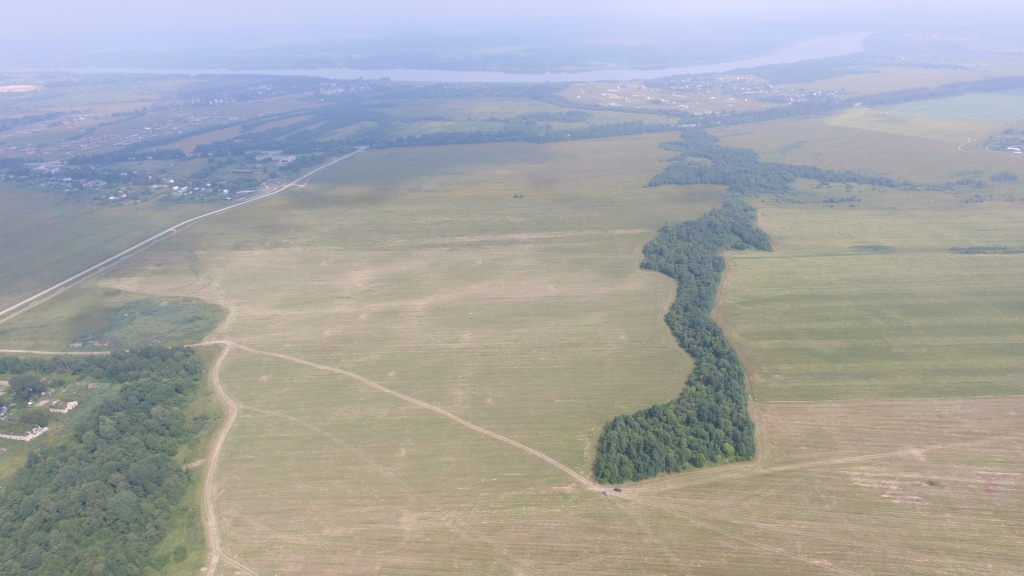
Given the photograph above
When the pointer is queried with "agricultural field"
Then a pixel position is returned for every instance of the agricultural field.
(417, 349)
(870, 141)
(66, 237)
(870, 302)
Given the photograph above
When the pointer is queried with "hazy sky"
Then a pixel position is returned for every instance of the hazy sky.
(54, 20)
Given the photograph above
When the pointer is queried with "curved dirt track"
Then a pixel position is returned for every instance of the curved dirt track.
(209, 492)
(209, 486)
(586, 482)
(233, 408)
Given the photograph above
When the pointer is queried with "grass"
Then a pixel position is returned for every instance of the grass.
(919, 150)
(824, 318)
(145, 322)
(995, 107)
(66, 237)
(90, 307)
(901, 120)
(886, 79)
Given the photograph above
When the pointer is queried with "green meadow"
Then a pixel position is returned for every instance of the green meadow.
(871, 303)
(996, 106)
(64, 237)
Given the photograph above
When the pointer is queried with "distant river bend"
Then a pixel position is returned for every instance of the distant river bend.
(808, 50)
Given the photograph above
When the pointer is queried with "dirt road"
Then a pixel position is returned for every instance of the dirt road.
(210, 486)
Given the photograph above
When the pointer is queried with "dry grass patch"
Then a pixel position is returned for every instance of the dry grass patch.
(862, 487)
(948, 130)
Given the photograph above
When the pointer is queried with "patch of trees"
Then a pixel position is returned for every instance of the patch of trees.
(1008, 139)
(986, 250)
(841, 200)
(249, 88)
(130, 153)
(6, 163)
(708, 422)
(306, 136)
(543, 133)
(8, 123)
(809, 70)
(119, 367)
(702, 160)
(100, 500)
(543, 92)
(26, 387)
(944, 91)
(141, 150)
(570, 116)
(819, 105)
(973, 182)
(1004, 176)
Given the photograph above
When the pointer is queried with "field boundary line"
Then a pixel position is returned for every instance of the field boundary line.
(586, 482)
(12, 311)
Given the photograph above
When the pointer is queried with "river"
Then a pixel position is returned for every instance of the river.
(808, 50)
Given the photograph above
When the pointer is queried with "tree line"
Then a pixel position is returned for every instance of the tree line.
(702, 160)
(708, 422)
(944, 91)
(101, 499)
(529, 132)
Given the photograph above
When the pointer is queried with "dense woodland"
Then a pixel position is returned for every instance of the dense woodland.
(703, 161)
(944, 91)
(708, 422)
(101, 499)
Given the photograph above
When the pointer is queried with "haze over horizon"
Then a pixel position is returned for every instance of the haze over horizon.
(113, 23)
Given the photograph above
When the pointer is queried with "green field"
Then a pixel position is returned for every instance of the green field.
(915, 149)
(995, 106)
(67, 237)
(870, 303)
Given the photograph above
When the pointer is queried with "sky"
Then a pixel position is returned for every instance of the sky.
(57, 20)
(50, 32)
